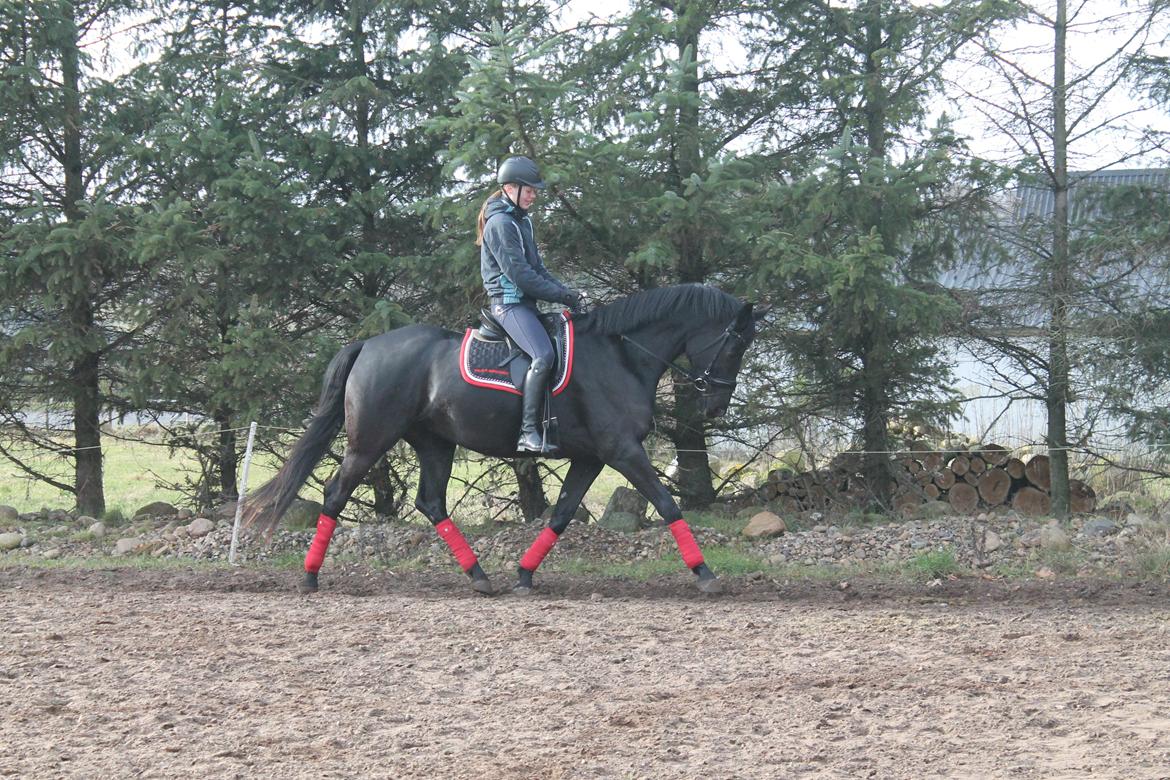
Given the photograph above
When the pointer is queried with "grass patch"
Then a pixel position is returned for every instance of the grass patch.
(99, 562)
(933, 565)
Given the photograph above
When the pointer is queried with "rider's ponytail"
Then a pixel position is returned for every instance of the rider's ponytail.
(483, 217)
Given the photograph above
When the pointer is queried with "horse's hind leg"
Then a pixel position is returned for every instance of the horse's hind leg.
(354, 467)
(582, 472)
(435, 456)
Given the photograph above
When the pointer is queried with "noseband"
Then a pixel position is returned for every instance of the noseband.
(703, 382)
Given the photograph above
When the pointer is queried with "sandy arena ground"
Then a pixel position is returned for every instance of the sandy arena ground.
(197, 673)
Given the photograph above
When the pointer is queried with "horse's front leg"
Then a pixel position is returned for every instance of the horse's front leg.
(634, 465)
(581, 474)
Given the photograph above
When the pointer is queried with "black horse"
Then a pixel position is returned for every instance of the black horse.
(407, 384)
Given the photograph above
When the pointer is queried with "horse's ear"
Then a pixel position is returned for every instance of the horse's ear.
(751, 314)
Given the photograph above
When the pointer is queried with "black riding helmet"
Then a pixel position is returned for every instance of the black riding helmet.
(520, 170)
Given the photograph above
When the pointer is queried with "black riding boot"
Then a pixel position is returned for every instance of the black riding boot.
(535, 381)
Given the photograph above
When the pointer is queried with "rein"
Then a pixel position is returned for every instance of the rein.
(704, 381)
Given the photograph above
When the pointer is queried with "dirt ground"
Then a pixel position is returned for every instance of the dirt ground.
(198, 673)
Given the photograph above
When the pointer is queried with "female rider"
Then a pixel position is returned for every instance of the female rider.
(515, 278)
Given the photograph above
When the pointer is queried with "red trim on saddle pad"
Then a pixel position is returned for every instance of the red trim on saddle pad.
(459, 547)
(687, 545)
(316, 555)
(501, 379)
(539, 549)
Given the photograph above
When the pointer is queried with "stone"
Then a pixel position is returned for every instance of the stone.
(1100, 526)
(301, 515)
(199, 527)
(1137, 519)
(156, 509)
(52, 553)
(932, 510)
(991, 541)
(1030, 538)
(11, 540)
(764, 525)
(184, 514)
(226, 511)
(127, 545)
(8, 514)
(97, 529)
(1053, 537)
(628, 503)
(619, 521)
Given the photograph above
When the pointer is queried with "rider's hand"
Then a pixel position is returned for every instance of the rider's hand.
(580, 303)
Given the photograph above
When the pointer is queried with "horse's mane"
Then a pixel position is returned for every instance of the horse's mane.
(684, 301)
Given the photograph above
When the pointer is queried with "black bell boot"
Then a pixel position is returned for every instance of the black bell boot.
(535, 382)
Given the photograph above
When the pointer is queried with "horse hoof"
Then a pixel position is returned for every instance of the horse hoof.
(712, 587)
(484, 587)
(308, 584)
(521, 590)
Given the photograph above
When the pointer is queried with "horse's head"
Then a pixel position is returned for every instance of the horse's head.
(716, 353)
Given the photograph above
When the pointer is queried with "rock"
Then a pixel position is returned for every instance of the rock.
(1045, 573)
(85, 520)
(619, 521)
(1137, 519)
(185, 514)
(1053, 537)
(301, 515)
(11, 540)
(127, 545)
(226, 511)
(199, 527)
(156, 509)
(763, 525)
(1030, 538)
(8, 514)
(58, 515)
(991, 541)
(1100, 526)
(97, 529)
(628, 503)
(52, 553)
(932, 510)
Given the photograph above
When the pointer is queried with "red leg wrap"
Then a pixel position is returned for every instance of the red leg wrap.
(691, 555)
(459, 547)
(539, 549)
(316, 554)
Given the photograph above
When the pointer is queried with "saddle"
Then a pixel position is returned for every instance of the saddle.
(490, 359)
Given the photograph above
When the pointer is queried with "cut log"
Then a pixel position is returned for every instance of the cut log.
(1031, 501)
(978, 465)
(932, 461)
(994, 454)
(931, 491)
(963, 498)
(924, 478)
(1037, 472)
(960, 464)
(993, 486)
(945, 479)
(1014, 467)
(971, 478)
(1081, 497)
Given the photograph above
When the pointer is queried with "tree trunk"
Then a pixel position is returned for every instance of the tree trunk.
(84, 372)
(1056, 395)
(695, 486)
(226, 457)
(531, 489)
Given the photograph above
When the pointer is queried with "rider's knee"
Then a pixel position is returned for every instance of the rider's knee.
(540, 364)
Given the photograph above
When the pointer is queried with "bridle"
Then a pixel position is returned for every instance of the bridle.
(705, 381)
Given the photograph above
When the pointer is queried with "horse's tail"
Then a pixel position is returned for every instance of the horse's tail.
(264, 508)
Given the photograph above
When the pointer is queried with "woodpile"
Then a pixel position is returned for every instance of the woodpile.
(971, 480)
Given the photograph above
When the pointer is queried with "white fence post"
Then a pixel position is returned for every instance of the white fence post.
(243, 493)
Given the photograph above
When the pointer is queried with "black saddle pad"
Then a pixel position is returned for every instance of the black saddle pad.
(495, 364)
